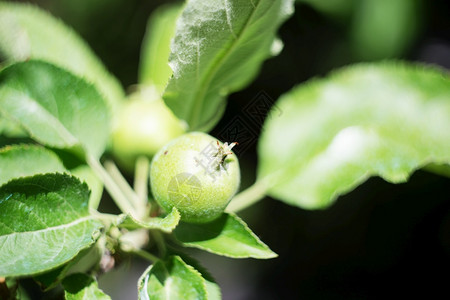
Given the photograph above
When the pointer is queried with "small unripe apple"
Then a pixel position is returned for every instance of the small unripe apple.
(197, 174)
(144, 125)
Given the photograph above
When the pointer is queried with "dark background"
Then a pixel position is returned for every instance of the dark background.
(379, 241)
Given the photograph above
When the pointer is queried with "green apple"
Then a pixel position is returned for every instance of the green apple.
(197, 174)
(144, 125)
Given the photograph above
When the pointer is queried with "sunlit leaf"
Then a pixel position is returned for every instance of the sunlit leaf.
(171, 279)
(227, 236)
(218, 48)
(44, 223)
(329, 135)
(55, 107)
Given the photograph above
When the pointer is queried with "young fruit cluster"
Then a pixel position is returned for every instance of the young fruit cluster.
(197, 174)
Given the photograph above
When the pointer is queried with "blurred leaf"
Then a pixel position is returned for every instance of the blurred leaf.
(154, 65)
(166, 224)
(227, 236)
(44, 222)
(325, 137)
(333, 8)
(213, 290)
(384, 28)
(55, 107)
(218, 48)
(50, 279)
(27, 32)
(82, 287)
(171, 279)
(26, 160)
(9, 129)
(85, 173)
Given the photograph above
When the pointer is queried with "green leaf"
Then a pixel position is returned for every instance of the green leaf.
(26, 160)
(327, 136)
(228, 236)
(83, 262)
(154, 66)
(166, 224)
(212, 288)
(55, 107)
(171, 279)
(82, 287)
(44, 223)
(218, 48)
(86, 174)
(50, 279)
(10, 129)
(27, 32)
(384, 28)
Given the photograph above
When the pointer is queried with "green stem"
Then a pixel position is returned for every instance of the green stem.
(141, 180)
(146, 255)
(104, 217)
(116, 193)
(123, 185)
(159, 242)
(249, 196)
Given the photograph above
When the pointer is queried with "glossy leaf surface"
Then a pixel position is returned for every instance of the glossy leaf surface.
(44, 222)
(228, 236)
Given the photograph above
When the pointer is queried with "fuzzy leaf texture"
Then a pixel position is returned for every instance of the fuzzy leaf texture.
(54, 107)
(228, 236)
(218, 48)
(44, 223)
(27, 32)
(171, 279)
(327, 136)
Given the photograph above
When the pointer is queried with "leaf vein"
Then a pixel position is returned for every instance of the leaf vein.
(67, 225)
(200, 95)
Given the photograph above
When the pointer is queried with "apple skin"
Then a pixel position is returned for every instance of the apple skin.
(180, 178)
